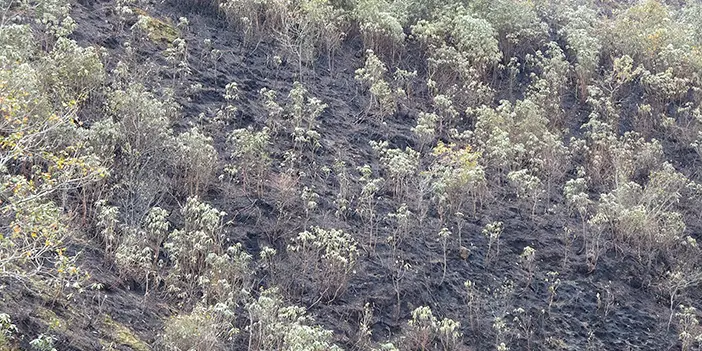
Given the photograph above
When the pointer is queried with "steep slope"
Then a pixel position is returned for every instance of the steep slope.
(576, 291)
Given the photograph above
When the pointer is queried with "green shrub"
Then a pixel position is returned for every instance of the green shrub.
(426, 332)
(275, 326)
(250, 152)
(401, 166)
(381, 24)
(72, 72)
(456, 177)
(188, 248)
(645, 217)
(372, 76)
(203, 329)
(196, 161)
(325, 256)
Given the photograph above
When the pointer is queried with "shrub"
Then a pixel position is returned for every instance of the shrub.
(197, 159)
(274, 326)
(581, 33)
(425, 129)
(400, 166)
(251, 156)
(42, 154)
(518, 26)
(689, 327)
(372, 76)
(7, 329)
(304, 110)
(549, 82)
(645, 217)
(492, 232)
(17, 43)
(43, 342)
(426, 332)
(189, 248)
(516, 136)
(145, 142)
(456, 39)
(107, 222)
(456, 177)
(205, 328)
(461, 49)
(527, 186)
(72, 72)
(228, 275)
(370, 187)
(381, 24)
(326, 257)
(137, 256)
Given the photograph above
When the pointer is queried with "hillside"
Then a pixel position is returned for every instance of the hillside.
(350, 175)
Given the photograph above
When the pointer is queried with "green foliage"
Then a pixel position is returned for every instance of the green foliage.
(516, 136)
(54, 17)
(154, 29)
(189, 248)
(456, 177)
(615, 160)
(381, 24)
(426, 332)
(197, 161)
(137, 256)
(326, 257)
(649, 33)
(688, 324)
(205, 328)
(107, 222)
(43, 153)
(370, 187)
(492, 232)
(550, 82)
(275, 326)
(43, 342)
(516, 22)
(372, 76)
(458, 40)
(303, 110)
(146, 143)
(16, 43)
(460, 49)
(401, 166)
(527, 186)
(250, 154)
(72, 72)
(7, 331)
(645, 216)
(581, 33)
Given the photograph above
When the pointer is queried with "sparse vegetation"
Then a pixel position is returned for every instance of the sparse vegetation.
(302, 175)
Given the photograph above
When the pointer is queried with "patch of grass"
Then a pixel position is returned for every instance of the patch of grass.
(54, 322)
(122, 335)
(159, 31)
